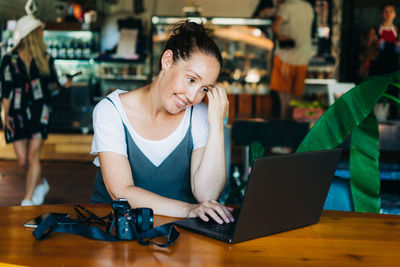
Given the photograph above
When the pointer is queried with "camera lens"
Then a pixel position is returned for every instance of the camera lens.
(145, 219)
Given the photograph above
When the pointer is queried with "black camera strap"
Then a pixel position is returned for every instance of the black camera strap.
(55, 223)
(61, 224)
(167, 229)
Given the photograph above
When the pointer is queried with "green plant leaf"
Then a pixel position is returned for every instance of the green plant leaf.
(364, 165)
(256, 151)
(396, 100)
(353, 113)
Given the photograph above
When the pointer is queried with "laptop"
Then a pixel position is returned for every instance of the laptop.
(284, 192)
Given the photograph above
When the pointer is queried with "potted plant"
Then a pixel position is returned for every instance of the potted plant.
(307, 111)
(353, 113)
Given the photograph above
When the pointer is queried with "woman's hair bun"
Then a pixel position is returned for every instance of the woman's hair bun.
(187, 37)
(189, 27)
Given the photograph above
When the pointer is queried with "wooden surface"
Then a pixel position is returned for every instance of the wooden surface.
(73, 147)
(339, 239)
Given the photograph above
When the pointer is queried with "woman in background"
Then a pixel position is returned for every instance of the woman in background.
(27, 75)
(383, 44)
(382, 57)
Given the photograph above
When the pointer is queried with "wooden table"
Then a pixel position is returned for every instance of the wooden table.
(339, 239)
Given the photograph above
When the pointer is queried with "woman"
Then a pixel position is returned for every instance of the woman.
(383, 51)
(159, 146)
(383, 44)
(27, 75)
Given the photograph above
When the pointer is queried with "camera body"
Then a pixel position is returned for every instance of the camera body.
(129, 221)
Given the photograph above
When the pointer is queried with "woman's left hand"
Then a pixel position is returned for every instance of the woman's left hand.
(217, 105)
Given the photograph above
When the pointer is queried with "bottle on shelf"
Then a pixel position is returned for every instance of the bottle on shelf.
(78, 49)
(62, 52)
(49, 46)
(70, 49)
(92, 48)
(236, 176)
(85, 50)
(54, 49)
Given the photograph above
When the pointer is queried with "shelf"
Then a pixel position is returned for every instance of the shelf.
(123, 77)
(80, 84)
(72, 59)
(161, 20)
(103, 60)
(321, 81)
(140, 59)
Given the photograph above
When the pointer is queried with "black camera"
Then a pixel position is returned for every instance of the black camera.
(130, 222)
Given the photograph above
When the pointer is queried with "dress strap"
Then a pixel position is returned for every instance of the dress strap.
(190, 122)
(123, 124)
(112, 102)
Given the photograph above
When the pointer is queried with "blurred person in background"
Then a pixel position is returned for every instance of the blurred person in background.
(383, 44)
(27, 75)
(292, 28)
(382, 54)
(266, 10)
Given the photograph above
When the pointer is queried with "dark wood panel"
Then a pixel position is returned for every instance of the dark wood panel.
(263, 104)
(245, 106)
(232, 108)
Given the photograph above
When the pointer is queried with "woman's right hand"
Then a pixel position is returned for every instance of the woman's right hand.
(10, 124)
(213, 209)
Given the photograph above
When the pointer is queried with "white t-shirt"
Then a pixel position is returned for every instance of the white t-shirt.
(297, 16)
(109, 132)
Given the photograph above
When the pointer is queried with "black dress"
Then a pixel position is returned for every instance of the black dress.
(29, 97)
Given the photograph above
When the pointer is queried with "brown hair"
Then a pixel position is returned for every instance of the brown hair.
(383, 6)
(188, 37)
(34, 46)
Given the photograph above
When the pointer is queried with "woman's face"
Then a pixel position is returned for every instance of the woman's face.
(186, 82)
(388, 14)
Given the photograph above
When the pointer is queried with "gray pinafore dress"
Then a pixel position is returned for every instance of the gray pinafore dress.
(170, 179)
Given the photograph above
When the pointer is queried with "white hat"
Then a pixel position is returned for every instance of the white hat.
(25, 26)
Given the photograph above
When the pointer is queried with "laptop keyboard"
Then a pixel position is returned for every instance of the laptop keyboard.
(225, 228)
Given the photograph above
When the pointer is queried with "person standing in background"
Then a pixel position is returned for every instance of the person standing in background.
(292, 27)
(383, 44)
(265, 9)
(382, 54)
(27, 74)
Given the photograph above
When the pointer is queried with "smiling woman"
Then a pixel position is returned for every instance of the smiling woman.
(160, 146)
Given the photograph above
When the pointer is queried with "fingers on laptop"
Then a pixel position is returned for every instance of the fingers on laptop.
(215, 210)
(226, 210)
